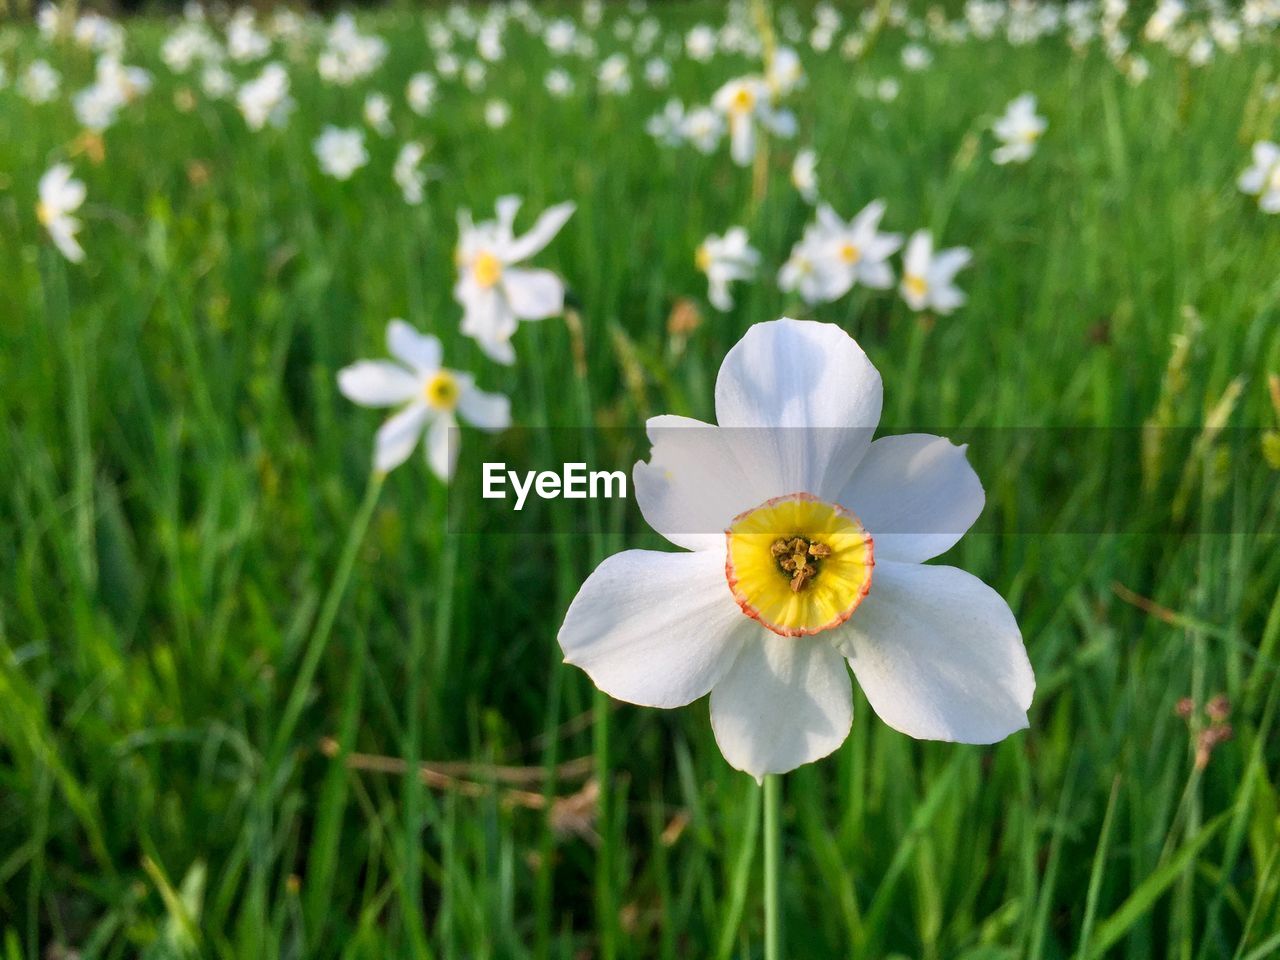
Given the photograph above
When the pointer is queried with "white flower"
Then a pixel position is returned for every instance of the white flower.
(786, 72)
(558, 83)
(349, 55)
(928, 276)
(806, 546)
(341, 152)
(559, 36)
(700, 43)
(430, 398)
(745, 102)
(495, 292)
(496, 114)
(473, 74)
(804, 174)
(40, 82)
(657, 73)
(614, 75)
(377, 114)
(838, 255)
(811, 271)
(216, 82)
(421, 93)
(408, 173)
(667, 127)
(1262, 179)
(887, 89)
(703, 127)
(916, 57)
(265, 99)
(1018, 131)
(61, 196)
(724, 260)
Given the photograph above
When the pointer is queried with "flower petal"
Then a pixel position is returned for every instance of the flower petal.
(939, 655)
(421, 351)
(398, 436)
(533, 294)
(786, 702)
(443, 446)
(812, 385)
(488, 411)
(655, 629)
(543, 232)
(377, 383)
(916, 494)
(694, 484)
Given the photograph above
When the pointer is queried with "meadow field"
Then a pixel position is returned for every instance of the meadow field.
(260, 699)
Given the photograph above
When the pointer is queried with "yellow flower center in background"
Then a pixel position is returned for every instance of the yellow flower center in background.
(486, 268)
(441, 391)
(915, 284)
(798, 565)
(702, 259)
(1030, 136)
(44, 214)
(743, 100)
(850, 253)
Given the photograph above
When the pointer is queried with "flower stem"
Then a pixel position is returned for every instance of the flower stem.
(772, 856)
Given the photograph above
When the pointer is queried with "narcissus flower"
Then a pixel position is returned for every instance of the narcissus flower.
(724, 260)
(834, 255)
(747, 103)
(430, 398)
(61, 196)
(806, 546)
(928, 276)
(341, 152)
(1262, 179)
(1018, 131)
(496, 293)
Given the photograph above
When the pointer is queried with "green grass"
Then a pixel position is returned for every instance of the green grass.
(180, 476)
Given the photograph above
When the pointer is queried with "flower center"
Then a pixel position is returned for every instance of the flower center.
(850, 253)
(441, 391)
(915, 284)
(742, 101)
(1030, 136)
(702, 259)
(44, 214)
(486, 268)
(799, 565)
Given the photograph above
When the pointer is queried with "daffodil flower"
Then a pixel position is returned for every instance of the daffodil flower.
(1018, 130)
(846, 253)
(724, 260)
(805, 556)
(430, 398)
(495, 292)
(928, 277)
(804, 175)
(745, 103)
(1262, 179)
(60, 196)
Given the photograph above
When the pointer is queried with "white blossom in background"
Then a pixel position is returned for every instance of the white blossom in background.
(916, 58)
(1262, 179)
(474, 74)
(785, 73)
(420, 93)
(614, 75)
(803, 549)
(700, 43)
(745, 105)
(704, 129)
(657, 73)
(1018, 130)
(448, 66)
(60, 196)
(559, 36)
(216, 82)
(377, 114)
(804, 174)
(408, 173)
(431, 398)
(265, 99)
(341, 151)
(40, 82)
(835, 255)
(725, 260)
(667, 127)
(887, 90)
(245, 43)
(928, 276)
(349, 55)
(495, 291)
(558, 83)
(496, 114)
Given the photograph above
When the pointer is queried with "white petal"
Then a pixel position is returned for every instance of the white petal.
(916, 494)
(442, 446)
(946, 298)
(533, 294)
(786, 702)
(742, 139)
(1251, 180)
(488, 411)
(694, 483)
(817, 391)
(398, 436)
(939, 655)
(656, 629)
(419, 350)
(543, 232)
(377, 383)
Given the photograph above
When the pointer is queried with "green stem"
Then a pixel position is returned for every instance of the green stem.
(324, 625)
(772, 858)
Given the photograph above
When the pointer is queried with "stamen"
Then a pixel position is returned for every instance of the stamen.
(793, 558)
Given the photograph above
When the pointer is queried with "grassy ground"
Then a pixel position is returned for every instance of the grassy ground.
(180, 477)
